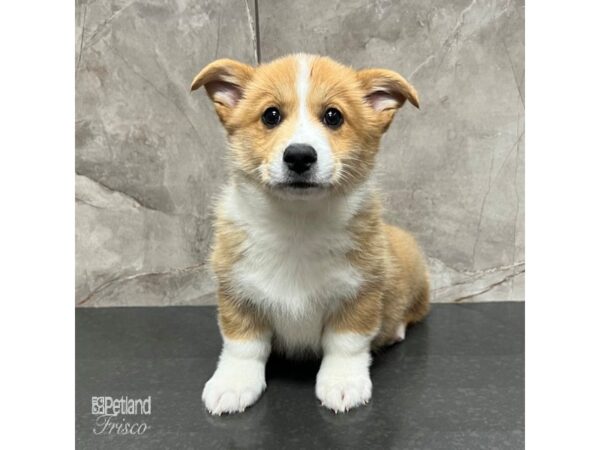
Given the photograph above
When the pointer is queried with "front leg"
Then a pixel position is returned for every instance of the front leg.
(239, 379)
(343, 381)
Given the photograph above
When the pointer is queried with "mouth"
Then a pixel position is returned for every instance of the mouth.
(299, 188)
(300, 185)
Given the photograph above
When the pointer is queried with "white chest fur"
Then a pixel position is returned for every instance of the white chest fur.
(293, 264)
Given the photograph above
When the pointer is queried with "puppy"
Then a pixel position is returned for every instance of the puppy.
(304, 261)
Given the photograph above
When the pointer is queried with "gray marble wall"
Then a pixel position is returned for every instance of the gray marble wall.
(149, 155)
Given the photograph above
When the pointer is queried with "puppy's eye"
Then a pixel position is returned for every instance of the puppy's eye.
(271, 117)
(333, 118)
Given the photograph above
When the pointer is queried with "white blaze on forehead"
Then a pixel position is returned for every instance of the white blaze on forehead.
(307, 129)
(303, 86)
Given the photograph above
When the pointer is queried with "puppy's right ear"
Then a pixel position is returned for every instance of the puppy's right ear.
(225, 81)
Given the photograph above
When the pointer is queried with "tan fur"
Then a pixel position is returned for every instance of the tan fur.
(223, 73)
(238, 319)
(396, 286)
(406, 290)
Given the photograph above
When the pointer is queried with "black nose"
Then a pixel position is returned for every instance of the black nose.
(299, 157)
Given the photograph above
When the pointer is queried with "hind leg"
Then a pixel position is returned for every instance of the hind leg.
(419, 307)
(406, 298)
(393, 327)
(397, 318)
(400, 332)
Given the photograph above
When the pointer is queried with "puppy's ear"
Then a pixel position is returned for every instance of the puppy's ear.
(225, 81)
(386, 92)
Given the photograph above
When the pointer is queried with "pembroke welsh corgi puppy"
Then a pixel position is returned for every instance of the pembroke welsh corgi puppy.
(304, 261)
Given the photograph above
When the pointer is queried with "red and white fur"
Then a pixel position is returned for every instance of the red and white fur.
(305, 263)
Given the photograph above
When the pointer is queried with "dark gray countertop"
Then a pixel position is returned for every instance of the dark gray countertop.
(456, 382)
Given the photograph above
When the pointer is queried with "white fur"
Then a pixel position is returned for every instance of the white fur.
(401, 332)
(293, 264)
(293, 267)
(239, 379)
(307, 131)
(343, 381)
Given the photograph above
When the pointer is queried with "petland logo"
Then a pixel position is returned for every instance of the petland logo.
(108, 409)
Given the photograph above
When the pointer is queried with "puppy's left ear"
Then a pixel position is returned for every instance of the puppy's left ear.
(386, 92)
(225, 81)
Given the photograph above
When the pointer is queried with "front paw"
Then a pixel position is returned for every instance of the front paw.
(343, 390)
(232, 391)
